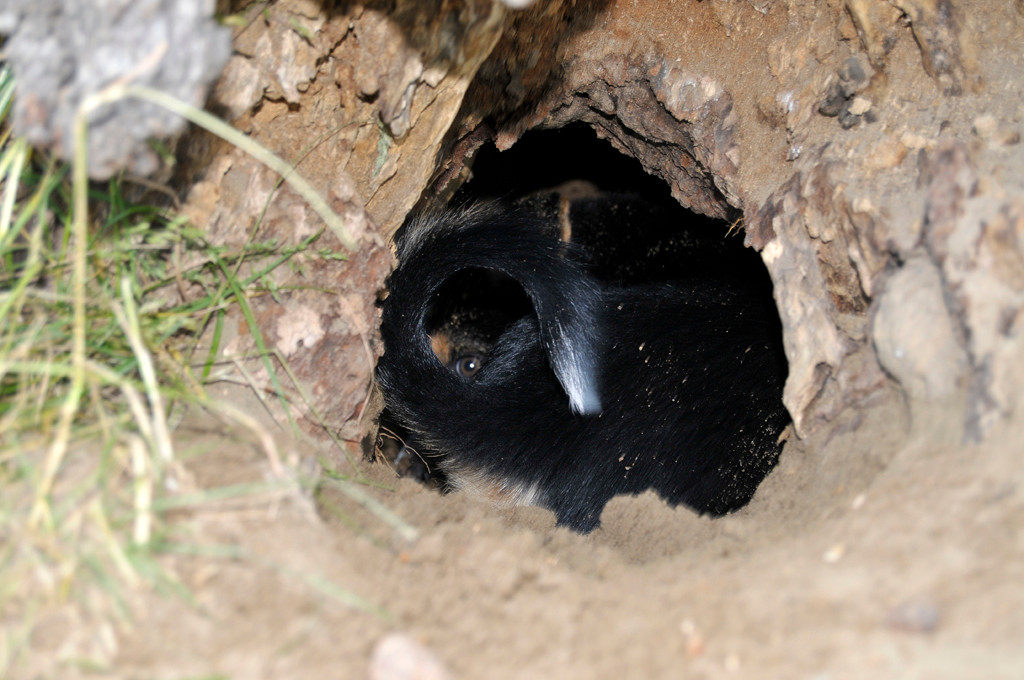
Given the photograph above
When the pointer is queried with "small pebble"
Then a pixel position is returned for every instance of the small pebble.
(855, 74)
(835, 553)
(834, 101)
(915, 141)
(693, 639)
(985, 126)
(886, 155)
(846, 119)
(400, 657)
(859, 106)
(914, 616)
(988, 128)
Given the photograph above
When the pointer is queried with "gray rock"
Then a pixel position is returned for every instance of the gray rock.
(62, 52)
(914, 334)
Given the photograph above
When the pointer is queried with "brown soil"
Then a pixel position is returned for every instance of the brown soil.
(888, 550)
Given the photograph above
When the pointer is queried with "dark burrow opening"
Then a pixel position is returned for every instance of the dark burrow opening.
(632, 230)
(641, 248)
(544, 159)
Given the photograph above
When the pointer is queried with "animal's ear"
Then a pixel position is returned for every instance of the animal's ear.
(570, 329)
(567, 302)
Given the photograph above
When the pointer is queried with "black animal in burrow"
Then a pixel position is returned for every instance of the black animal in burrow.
(535, 371)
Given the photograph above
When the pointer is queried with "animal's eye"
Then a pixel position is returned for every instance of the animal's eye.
(468, 365)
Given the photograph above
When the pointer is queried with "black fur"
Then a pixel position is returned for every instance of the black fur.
(603, 386)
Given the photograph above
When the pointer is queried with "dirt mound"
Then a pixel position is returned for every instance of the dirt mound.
(884, 550)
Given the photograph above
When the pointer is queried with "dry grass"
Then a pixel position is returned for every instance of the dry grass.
(111, 317)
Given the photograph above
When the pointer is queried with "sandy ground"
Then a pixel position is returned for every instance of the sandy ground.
(887, 550)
